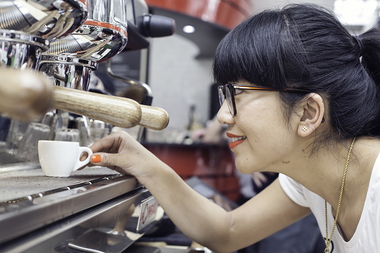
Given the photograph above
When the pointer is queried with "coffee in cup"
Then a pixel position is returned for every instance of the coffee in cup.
(61, 158)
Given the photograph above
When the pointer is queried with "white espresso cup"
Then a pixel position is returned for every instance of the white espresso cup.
(61, 158)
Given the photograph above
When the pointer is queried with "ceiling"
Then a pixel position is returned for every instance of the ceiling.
(208, 35)
(260, 5)
(356, 15)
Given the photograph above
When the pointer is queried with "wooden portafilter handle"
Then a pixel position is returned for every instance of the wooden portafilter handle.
(153, 117)
(117, 111)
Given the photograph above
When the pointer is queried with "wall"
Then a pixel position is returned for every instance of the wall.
(178, 80)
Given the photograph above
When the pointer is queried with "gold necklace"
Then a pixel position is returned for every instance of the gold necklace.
(328, 241)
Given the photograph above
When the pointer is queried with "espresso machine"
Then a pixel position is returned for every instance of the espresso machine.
(95, 209)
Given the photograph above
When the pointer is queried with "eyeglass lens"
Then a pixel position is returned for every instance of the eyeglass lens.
(225, 94)
(221, 95)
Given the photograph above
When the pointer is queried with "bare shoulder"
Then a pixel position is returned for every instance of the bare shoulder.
(365, 153)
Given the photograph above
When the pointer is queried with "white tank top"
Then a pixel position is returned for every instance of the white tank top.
(366, 238)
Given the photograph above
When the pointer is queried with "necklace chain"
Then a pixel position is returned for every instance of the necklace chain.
(328, 240)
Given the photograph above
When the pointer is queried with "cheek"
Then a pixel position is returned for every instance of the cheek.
(267, 133)
(269, 139)
(261, 120)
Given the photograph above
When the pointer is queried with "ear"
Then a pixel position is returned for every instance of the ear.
(312, 114)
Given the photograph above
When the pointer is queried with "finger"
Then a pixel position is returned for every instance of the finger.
(107, 143)
(83, 156)
(105, 159)
(262, 177)
(110, 161)
(257, 182)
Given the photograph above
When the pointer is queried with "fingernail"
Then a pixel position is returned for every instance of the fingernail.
(96, 158)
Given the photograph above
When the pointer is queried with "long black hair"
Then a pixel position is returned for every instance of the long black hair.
(305, 46)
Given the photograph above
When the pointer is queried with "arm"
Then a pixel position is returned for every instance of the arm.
(199, 218)
(23, 94)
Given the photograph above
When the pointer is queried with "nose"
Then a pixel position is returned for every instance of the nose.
(224, 116)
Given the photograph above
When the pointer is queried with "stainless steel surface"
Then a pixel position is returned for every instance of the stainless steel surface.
(94, 41)
(56, 236)
(20, 184)
(13, 16)
(103, 35)
(21, 50)
(110, 12)
(135, 90)
(67, 71)
(48, 18)
(30, 200)
(106, 242)
(13, 165)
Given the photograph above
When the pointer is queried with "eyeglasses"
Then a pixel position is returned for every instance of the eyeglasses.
(228, 92)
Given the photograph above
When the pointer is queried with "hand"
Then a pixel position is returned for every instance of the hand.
(259, 179)
(120, 152)
(213, 134)
(197, 135)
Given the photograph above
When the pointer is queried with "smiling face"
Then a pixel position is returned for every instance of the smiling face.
(261, 139)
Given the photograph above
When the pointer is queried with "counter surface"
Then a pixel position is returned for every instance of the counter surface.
(31, 200)
(17, 184)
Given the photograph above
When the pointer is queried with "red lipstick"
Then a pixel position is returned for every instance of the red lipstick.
(235, 140)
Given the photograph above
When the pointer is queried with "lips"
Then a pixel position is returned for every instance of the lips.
(235, 140)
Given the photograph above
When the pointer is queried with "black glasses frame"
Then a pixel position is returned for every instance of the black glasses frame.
(227, 92)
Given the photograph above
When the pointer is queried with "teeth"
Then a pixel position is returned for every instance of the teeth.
(237, 138)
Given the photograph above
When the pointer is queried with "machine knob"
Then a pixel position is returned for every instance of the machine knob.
(156, 26)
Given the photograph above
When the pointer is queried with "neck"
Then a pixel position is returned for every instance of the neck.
(322, 171)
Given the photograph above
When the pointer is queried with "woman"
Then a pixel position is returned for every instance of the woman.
(301, 99)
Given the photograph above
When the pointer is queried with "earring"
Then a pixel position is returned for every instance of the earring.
(304, 128)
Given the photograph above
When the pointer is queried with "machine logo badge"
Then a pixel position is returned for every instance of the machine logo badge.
(148, 210)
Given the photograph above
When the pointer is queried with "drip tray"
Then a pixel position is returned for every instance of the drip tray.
(30, 200)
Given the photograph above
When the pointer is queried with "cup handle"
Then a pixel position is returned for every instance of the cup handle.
(85, 162)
